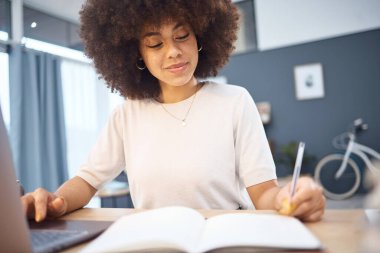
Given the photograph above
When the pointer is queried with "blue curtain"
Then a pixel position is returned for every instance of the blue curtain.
(37, 128)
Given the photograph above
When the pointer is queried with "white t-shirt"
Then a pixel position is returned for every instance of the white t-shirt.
(206, 164)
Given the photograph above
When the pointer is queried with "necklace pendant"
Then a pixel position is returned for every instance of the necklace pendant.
(183, 123)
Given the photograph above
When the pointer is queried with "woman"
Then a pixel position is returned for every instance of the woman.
(182, 141)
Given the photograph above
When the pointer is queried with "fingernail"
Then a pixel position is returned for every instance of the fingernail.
(38, 217)
(287, 207)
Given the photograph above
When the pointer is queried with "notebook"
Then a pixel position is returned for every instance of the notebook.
(16, 232)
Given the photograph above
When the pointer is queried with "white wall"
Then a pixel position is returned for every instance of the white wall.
(289, 22)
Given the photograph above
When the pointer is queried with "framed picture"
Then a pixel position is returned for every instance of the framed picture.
(309, 81)
(264, 109)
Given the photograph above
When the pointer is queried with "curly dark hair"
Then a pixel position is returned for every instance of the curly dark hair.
(111, 29)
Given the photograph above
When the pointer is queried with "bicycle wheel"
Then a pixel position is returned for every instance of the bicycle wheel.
(343, 187)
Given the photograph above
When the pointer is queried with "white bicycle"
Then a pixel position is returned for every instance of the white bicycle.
(339, 174)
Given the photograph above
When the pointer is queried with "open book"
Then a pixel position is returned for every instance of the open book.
(185, 229)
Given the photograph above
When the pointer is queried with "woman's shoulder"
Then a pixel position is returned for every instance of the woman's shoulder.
(134, 104)
(129, 108)
(124, 106)
(225, 90)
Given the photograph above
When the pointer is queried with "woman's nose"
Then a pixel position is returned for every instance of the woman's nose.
(173, 50)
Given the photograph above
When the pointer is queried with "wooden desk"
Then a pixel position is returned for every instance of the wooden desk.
(340, 231)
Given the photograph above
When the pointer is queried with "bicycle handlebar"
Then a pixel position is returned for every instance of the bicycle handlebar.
(358, 126)
(341, 141)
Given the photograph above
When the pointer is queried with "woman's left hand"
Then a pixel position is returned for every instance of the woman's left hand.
(307, 204)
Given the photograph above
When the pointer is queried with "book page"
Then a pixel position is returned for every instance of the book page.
(256, 230)
(164, 228)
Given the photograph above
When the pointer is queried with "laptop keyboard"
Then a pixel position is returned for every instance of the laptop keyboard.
(44, 241)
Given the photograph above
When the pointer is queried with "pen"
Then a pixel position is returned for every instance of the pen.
(287, 206)
(297, 168)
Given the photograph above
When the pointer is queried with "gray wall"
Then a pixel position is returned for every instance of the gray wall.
(351, 66)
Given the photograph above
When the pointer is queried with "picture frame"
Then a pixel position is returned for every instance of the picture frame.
(264, 109)
(309, 82)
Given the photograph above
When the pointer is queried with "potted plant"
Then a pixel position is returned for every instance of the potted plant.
(286, 159)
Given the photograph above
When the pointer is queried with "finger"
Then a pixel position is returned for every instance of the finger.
(41, 199)
(300, 193)
(27, 202)
(303, 195)
(287, 207)
(304, 209)
(308, 208)
(57, 207)
(309, 205)
(310, 193)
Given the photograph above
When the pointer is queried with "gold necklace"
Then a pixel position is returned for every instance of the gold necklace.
(183, 120)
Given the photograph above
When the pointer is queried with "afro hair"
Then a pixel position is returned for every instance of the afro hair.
(111, 29)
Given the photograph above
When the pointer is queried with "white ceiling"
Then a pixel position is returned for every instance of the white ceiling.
(66, 9)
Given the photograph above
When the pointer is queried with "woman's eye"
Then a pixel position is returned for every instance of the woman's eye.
(180, 38)
(155, 45)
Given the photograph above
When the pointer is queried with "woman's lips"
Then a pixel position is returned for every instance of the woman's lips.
(179, 67)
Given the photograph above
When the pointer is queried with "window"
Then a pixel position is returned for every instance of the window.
(64, 52)
(4, 88)
(247, 32)
(43, 27)
(87, 105)
(5, 29)
(5, 16)
(87, 101)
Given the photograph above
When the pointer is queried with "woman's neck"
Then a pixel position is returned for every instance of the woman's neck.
(174, 94)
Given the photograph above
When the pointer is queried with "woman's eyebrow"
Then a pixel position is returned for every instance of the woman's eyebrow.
(178, 25)
(149, 34)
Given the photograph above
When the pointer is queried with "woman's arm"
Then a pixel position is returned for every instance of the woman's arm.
(76, 192)
(263, 195)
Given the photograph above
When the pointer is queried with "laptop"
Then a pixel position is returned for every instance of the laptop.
(19, 235)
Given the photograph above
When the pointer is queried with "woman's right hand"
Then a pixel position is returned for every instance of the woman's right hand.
(41, 204)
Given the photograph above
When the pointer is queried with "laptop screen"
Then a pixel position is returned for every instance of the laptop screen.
(15, 234)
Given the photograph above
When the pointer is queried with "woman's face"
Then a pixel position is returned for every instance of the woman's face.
(170, 53)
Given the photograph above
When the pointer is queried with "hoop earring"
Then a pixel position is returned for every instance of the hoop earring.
(200, 49)
(139, 66)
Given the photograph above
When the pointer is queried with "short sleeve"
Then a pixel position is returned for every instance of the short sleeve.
(254, 159)
(106, 159)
